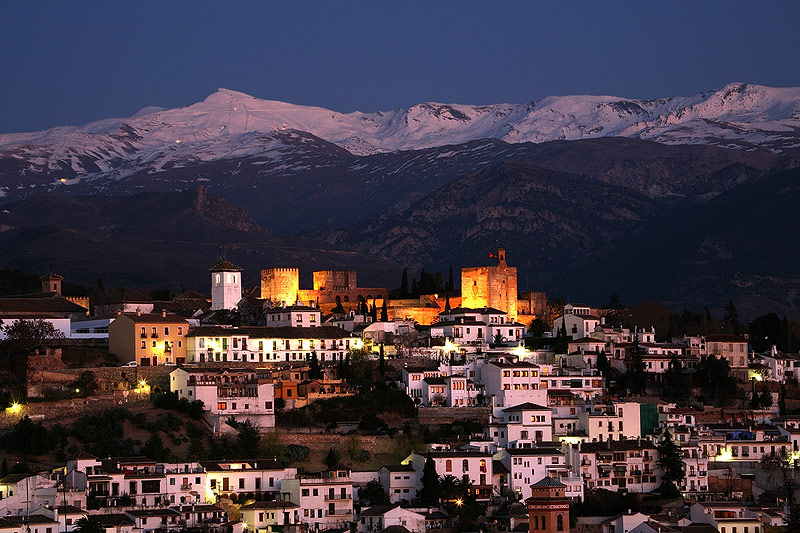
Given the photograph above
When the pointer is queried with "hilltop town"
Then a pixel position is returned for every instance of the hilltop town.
(346, 408)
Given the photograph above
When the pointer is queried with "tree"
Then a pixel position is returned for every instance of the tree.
(447, 303)
(374, 311)
(314, 368)
(561, 343)
(372, 494)
(248, 439)
(603, 366)
(449, 488)
(404, 284)
(498, 338)
(450, 285)
(782, 402)
(359, 369)
(381, 362)
(713, 376)
(384, 312)
(670, 461)
(675, 382)
(339, 308)
(30, 334)
(636, 376)
(88, 524)
(430, 492)
(731, 319)
(332, 459)
(765, 331)
(765, 400)
(86, 384)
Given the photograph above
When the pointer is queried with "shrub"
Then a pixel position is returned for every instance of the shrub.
(297, 453)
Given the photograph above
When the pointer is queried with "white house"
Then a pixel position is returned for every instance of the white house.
(243, 394)
(379, 517)
(325, 499)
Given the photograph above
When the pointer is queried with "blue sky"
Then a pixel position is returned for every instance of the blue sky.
(75, 62)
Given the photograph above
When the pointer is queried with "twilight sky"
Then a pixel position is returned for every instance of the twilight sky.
(74, 62)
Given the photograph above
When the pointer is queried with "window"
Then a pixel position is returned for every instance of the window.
(560, 522)
(448, 465)
(144, 345)
(221, 406)
(166, 330)
(464, 465)
(241, 482)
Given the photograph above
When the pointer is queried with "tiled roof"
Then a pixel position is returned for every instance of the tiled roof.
(225, 266)
(267, 332)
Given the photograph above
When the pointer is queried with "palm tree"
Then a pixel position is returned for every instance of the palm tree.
(449, 487)
(88, 524)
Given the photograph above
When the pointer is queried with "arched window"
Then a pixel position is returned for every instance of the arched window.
(448, 466)
(465, 465)
(544, 522)
(219, 278)
(535, 522)
(560, 522)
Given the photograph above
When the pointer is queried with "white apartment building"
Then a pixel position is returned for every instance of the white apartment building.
(507, 384)
(401, 482)
(294, 316)
(617, 465)
(526, 466)
(237, 477)
(243, 394)
(269, 344)
(521, 426)
(325, 499)
(612, 422)
(412, 379)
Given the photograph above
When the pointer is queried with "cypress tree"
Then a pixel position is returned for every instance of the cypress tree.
(404, 284)
(447, 303)
(429, 494)
(384, 312)
(450, 284)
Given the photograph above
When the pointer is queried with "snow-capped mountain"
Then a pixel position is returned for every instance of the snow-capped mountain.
(230, 124)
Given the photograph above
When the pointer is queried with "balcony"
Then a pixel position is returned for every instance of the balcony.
(186, 486)
(154, 335)
(339, 512)
(338, 497)
(143, 336)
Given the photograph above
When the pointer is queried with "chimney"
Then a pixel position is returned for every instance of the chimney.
(119, 312)
(138, 311)
(164, 313)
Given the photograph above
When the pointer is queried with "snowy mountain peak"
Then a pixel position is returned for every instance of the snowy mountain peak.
(230, 124)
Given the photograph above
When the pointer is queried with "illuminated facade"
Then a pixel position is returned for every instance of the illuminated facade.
(150, 339)
(492, 286)
(281, 285)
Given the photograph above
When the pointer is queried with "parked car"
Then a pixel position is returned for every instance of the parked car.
(130, 363)
(169, 363)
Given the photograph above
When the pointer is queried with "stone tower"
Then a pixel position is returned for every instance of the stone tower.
(548, 506)
(226, 285)
(51, 283)
(280, 285)
(492, 286)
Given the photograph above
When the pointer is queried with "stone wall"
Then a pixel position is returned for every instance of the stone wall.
(280, 285)
(67, 411)
(110, 378)
(446, 415)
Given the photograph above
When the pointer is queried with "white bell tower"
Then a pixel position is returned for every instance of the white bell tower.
(226, 285)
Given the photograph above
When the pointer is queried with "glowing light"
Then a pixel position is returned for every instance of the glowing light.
(570, 439)
(177, 141)
(756, 375)
(143, 383)
(724, 455)
(63, 180)
(210, 496)
(459, 502)
(77, 391)
(521, 352)
(15, 408)
(449, 346)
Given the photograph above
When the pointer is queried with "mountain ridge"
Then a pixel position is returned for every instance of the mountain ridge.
(229, 124)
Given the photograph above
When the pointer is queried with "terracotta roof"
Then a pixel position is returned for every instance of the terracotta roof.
(267, 332)
(52, 304)
(155, 318)
(225, 266)
(527, 406)
(548, 481)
